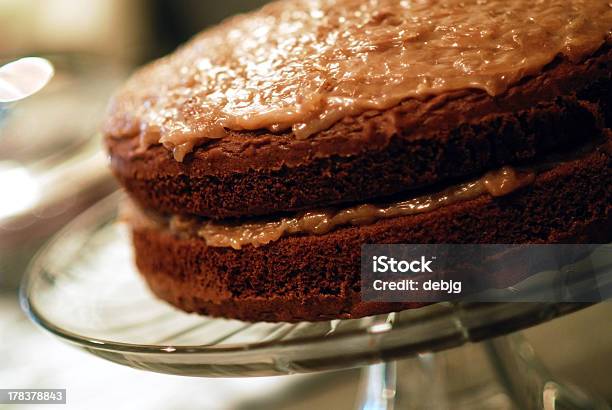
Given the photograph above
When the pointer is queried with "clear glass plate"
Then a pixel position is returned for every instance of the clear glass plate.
(84, 288)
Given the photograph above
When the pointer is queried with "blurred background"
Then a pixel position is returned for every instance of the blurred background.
(52, 167)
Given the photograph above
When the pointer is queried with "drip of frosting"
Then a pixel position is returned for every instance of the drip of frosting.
(303, 65)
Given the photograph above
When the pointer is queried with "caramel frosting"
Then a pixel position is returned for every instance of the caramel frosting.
(303, 65)
(257, 233)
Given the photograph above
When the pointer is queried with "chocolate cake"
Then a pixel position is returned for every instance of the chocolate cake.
(261, 155)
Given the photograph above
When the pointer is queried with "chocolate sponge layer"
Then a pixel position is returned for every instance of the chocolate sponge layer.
(379, 153)
(314, 277)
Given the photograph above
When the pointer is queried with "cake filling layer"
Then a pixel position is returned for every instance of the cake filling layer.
(257, 233)
(303, 65)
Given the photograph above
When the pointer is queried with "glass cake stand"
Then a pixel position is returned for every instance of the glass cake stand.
(83, 288)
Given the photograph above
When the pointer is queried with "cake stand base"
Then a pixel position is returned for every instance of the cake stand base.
(500, 373)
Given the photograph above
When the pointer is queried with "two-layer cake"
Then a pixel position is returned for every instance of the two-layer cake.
(262, 154)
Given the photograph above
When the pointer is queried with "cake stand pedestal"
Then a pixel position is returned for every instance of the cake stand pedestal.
(501, 373)
(82, 287)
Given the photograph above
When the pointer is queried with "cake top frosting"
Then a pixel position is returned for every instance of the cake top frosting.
(302, 65)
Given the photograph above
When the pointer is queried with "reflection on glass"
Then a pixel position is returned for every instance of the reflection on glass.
(24, 77)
